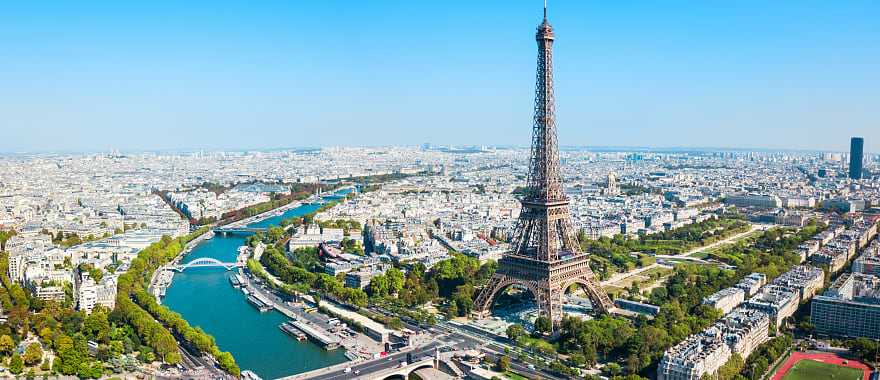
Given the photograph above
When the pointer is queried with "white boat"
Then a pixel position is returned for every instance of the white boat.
(250, 375)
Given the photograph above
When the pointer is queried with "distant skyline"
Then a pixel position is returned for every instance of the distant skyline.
(164, 75)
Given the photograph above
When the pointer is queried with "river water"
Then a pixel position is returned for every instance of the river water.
(205, 298)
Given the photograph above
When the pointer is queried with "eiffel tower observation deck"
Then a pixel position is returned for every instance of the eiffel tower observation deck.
(545, 257)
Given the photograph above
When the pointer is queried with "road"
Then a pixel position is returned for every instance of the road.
(498, 346)
(448, 337)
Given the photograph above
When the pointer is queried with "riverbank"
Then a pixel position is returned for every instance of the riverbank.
(357, 345)
(162, 277)
(206, 298)
(265, 215)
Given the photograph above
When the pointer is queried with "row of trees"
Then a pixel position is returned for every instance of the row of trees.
(195, 336)
(298, 191)
(374, 182)
(758, 363)
(864, 348)
(347, 225)
(71, 239)
(133, 284)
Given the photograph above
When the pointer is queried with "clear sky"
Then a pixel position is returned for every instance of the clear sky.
(146, 75)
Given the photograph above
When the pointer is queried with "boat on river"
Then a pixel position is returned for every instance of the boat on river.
(235, 280)
(289, 329)
(261, 304)
(250, 375)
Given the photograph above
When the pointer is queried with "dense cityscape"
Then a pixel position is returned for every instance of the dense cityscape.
(731, 251)
(551, 261)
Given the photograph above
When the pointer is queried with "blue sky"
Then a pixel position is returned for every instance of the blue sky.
(89, 75)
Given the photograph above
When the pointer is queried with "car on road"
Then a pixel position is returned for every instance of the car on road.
(347, 370)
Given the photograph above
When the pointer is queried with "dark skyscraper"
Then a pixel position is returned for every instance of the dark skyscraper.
(856, 155)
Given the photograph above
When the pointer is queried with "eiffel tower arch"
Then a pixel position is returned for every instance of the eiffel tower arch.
(545, 256)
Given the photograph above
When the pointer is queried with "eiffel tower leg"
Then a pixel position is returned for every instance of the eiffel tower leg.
(483, 302)
(549, 303)
(556, 307)
(601, 302)
(544, 302)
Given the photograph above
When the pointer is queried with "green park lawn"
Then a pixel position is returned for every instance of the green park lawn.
(514, 376)
(812, 370)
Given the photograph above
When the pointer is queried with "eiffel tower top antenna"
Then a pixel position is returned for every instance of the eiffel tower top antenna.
(545, 10)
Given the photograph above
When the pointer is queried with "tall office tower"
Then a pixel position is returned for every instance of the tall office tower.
(545, 257)
(856, 155)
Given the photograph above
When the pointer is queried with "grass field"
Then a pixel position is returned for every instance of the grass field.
(812, 370)
(515, 376)
(746, 239)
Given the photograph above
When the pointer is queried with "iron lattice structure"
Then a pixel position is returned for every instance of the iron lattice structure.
(545, 257)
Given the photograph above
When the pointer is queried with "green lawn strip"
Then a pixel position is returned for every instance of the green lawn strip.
(515, 376)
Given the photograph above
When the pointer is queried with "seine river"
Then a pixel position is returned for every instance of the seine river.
(205, 298)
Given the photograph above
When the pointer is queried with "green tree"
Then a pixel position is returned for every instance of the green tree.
(16, 365)
(515, 331)
(227, 363)
(732, 368)
(395, 323)
(6, 344)
(502, 364)
(543, 325)
(866, 349)
(379, 286)
(96, 326)
(96, 274)
(452, 310)
(613, 369)
(395, 280)
(463, 298)
(33, 354)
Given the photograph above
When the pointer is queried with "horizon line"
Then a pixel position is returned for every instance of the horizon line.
(607, 148)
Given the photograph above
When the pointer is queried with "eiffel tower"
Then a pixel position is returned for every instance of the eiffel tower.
(545, 257)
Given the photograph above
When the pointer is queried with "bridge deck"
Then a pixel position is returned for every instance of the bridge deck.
(205, 263)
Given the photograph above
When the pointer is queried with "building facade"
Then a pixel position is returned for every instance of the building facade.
(850, 308)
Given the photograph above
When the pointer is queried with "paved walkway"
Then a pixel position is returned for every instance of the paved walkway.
(752, 228)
